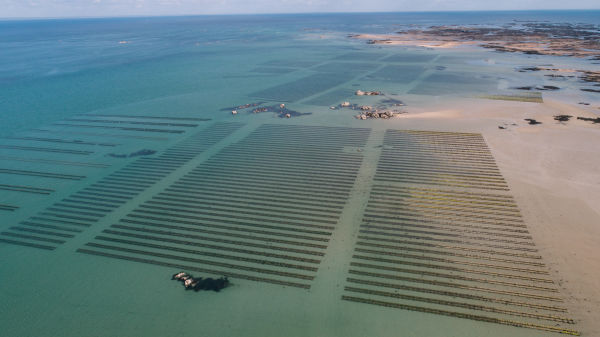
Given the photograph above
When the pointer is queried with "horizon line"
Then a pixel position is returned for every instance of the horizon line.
(287, 13)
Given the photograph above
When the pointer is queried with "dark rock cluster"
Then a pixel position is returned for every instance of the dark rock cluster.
(385, 108)
(376, 114)
(243, 106)
(367, 93)
(199, 283)
(533, 38)
(532, 121)
(541, 88)
(562, 118)
(593, 120)
(279, 109)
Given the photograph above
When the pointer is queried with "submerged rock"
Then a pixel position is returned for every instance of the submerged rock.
(257, 110)
(281, 112)
(558, 76)
(211, 284)
(590, 76)
(392, 102)
(142, 153)
(526, 69)
(133, 154)
(242, 107)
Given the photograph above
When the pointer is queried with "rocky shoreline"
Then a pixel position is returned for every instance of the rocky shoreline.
(585, 76)
(385, 108)
(537, 38)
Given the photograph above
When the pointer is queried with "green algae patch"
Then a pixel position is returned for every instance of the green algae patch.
(532, 97)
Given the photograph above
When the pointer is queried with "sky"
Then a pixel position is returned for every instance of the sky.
(95, 8)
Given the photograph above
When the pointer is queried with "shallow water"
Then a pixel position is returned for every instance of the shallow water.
(276, 204)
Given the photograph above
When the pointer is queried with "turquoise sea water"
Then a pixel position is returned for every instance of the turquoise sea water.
(51, 69)
(274, 203)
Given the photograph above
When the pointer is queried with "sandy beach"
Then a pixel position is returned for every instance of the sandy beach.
(411, 40)
(552, 170)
